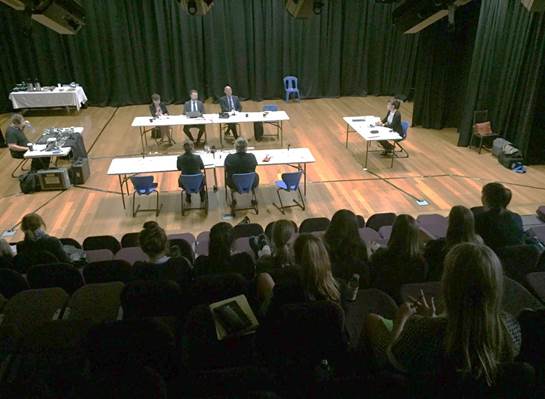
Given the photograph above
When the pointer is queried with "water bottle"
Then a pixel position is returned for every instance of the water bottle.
(37, 85)
(353, 287)
(323, 371)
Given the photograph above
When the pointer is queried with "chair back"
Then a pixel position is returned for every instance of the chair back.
(130, 240)
(131, 255)
(11, 283)
(96, 302)
(247, 230)
(480, 116)
(70, 241)
(191, 183)
(52, 275)
(244, 182)
(405, 129)
(290, 83)
(180, 247)
(107, 271)
(311, 225)
(519, 260)
(98, 255)
(150, 298)
(270, 107)
(378, 220)
(292, 180)
(367, 234)
(517, 298)
(536, 281)
(101, 242)
(143, 184)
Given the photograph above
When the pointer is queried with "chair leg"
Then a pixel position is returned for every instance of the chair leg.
(157, 205)
(254, 202)
(302, 204)
(481, 144)
(182, 197)
(233, 203)
(21, 165)
(281, 206)
(206, 203)
(133, 204)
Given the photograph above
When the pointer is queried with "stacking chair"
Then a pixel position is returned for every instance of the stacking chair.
(51, 275)
(244, 183)
(107, 271)
(276, 124)
(96, 302)
(101, 242)
(144, 185)
(20, 165)
(312, 225)
(481, 128)
(289, 183)
(399, 151)
(192, 184)
(291, 87)
(130, 240)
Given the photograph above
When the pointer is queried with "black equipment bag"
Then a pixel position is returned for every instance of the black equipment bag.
(258, 131)
(29, 182)
(508, 160)
(156, 133)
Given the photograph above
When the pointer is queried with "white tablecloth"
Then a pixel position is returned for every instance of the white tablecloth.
(366, 127)
(58, 97)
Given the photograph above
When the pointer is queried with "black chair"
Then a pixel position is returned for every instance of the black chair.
(311, 225)
(216, 287)
(130, 240)
(517, 298)
(361, 221)
(378, 220)
(532, 351)
(519, 260)
(70, 241)
(176, 269)
(107, 271)
(11, 283)
(52, 275)
(180, 247)
(247, 230)
(101, 242)
(536, 282)
(142, 299)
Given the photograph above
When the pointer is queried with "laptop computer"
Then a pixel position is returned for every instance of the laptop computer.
(193, 114)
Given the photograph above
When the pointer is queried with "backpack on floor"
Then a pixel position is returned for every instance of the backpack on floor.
(29, 182)
(497, 146)
(509, 156)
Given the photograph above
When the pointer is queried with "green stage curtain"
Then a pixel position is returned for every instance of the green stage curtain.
(130, 49)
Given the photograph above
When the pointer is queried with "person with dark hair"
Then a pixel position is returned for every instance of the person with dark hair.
(240, 162)
(230, 103)
(160, 265)
(393, 121)
(281, 256)
(401, 262)
(6, 255)
(194, 105)
(219, 259)
(461, 228)
(347, 251)
(498, 226)
(190, 163)
(18, 143)
(157, 109)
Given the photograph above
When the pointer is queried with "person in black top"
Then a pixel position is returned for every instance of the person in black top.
(158, 108)
(191, 164)
(18, 142)
(393, 121)
(240, 162)
(194, 105)
(6, 255)
(230, 103)
(498, 226)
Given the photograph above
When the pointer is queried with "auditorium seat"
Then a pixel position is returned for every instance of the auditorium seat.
(102, 242)
(52, 275)
(378, 220)
(430, 289)
(431, 218)
(242, 245)
(312, 225)
(107, 271)
(130, 240)
(536, 282)
(70, 241)
(385, 232)
(369, 235)
(247, 230)
(98, 255)
(190, 238)
(538, 232)
(131, 255)
(151, 298)
(202, 247)
(11, 283)
(517, 298)
(519, 260)
(203, 235)
(179, 246)
(96, 302)
(216, 287)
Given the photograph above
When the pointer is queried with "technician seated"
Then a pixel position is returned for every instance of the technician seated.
(190, 163)
(195, 106)
(18, 142)
(240, 162)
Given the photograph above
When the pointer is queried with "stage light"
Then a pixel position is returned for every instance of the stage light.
(317, 7)
(192, 7)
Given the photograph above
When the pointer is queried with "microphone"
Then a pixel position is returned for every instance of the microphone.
(289, 145)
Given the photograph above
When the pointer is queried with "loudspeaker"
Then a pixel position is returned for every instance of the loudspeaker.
(411, 16)
(80, 171)
(300, 8)
(534, 5)
(197, 7)
(54, 179)
(63, 16)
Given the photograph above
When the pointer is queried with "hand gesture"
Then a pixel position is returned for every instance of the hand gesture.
(423, 307)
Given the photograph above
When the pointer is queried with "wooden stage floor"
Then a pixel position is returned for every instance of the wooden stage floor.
(437, 170)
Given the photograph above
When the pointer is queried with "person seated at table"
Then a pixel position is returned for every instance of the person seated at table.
(158, 108)
(229, 103)
(240, 162)
(393, 121)
(194, 105)
(190, 163)
(18, 142)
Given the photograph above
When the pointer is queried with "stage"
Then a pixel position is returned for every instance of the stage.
(437, 171)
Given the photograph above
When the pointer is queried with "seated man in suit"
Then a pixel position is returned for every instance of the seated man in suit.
(194, 105)
(393, 121)
(229, 103)
(18, 142)
(157, 108)
(190, 164)
(240, 162)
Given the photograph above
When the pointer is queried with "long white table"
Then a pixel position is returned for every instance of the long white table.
(46, 98)
(123, 168)
(38, 150)
(146, 123)
(366, 127)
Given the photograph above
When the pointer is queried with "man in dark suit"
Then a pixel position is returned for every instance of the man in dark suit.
(240, 162)
(194, 105)
(157, 108)
(393, 121)
(229, 103)
(190, 163)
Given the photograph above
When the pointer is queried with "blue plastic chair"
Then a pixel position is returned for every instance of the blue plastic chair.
(144, 185)
(244, 183)
(289, 183)
(270, 107)
(291, 87)
(192, 184)
(277, 124)
(402, 152)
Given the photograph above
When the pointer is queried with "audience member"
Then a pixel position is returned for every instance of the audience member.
(281, 256)
(401, 262)
(347, 251)
(6, 254)
(461, 228)
(498, 226)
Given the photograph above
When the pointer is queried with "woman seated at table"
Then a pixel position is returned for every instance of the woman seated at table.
(393, 121)
(158, 108)
(18, 142)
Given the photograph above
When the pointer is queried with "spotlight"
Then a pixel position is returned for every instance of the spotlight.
(317, 7)
(192, 7)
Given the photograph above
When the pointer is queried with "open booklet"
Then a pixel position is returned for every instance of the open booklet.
(233, 317)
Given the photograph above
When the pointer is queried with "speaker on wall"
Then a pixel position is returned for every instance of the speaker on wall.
(304, 8)
(534, 5)
(66, 17)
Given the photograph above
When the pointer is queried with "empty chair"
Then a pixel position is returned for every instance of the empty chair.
(131, 255)
(144, 186)
(538, 232)
(367, 234)
(96, 302)
(242, 245)
(202, 247)
(276, 124)
(180, 247)
(519, 260)
(194, 184)
(311, 225)
(385, 232)
(101, 242)
(378, 220)
(517, 298)
(536, 281)
(30, 308)
(291, 87)
(203, 235)
(151, 298)
(51, 275)
(432, 218)
(11, 283)
(289, 183)
(130, 240)
(482, 128)
(70, 241)
(244, 185)
(247, 230)
(190, 238)
(430, 289)
(107, 271)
